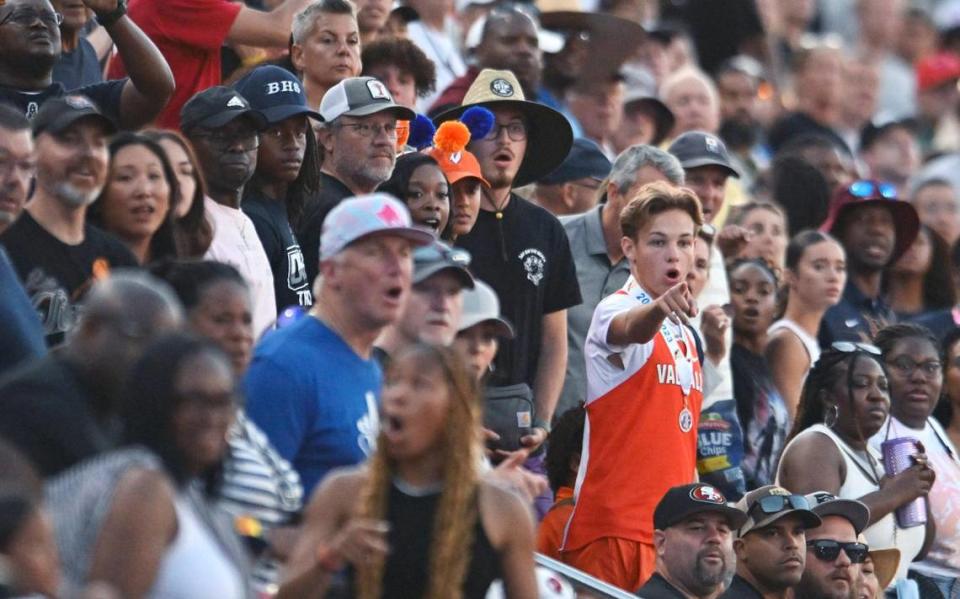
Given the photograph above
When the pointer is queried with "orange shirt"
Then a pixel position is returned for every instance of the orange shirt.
(640, 437)
(550, 532)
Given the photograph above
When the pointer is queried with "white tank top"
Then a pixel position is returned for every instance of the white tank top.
(863, 478)
(809, 343)
(195, 566)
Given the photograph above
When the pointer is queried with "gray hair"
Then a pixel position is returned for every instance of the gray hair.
(624, 171)
(306, 19)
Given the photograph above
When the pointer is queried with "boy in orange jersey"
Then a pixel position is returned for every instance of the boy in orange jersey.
(644, 391)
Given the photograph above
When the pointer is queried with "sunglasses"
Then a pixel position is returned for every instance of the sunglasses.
(871, 189)
(851, 347)
(773, 504)
(828, 550)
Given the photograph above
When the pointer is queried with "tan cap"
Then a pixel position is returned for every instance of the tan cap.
(766, 505)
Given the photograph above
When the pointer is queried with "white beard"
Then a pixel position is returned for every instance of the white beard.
(69, 194)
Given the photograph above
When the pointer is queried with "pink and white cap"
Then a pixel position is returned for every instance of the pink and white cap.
(360, 216)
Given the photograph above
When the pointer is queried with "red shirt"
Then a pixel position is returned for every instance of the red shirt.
(189, 34)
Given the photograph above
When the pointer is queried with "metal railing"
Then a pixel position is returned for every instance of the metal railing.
(586, 586)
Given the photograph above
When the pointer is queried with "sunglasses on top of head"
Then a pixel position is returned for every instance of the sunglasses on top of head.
(873, 189)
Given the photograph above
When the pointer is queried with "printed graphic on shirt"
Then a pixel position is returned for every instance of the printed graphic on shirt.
(50, 300)
(297, 280)
(369, 426)
(535, 263)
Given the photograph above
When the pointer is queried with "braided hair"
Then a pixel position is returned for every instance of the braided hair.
(833, 366)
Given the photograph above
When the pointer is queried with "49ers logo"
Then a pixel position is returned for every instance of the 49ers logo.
(707, 494)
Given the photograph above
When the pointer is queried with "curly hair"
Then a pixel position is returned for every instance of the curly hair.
(457, 513)
(406, 56)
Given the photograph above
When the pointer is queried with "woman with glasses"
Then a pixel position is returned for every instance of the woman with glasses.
(814, 275)
(845, 402)
(142, 519)
(913, 360)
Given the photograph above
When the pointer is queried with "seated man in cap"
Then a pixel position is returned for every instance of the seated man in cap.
(572, 188)
(313, 387)
(834, 554)
(224, 131)
(693, 535)
(56, 254)
(771, 546)
(359, 139)
(432, 312)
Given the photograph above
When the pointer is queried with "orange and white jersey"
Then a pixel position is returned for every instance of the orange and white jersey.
(640, 437)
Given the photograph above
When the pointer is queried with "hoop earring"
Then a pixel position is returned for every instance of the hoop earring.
(830, 418)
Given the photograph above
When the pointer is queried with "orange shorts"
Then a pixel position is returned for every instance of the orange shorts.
(620, 562)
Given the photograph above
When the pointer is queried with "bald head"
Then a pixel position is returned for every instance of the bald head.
(120, 317)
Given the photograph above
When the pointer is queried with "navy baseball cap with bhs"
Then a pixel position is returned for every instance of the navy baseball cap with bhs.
(216, 106)
(275, 94)
(680, 503)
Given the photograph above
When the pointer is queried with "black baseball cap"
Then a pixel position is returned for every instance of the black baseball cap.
(679, 503)
(698, 148)
(275, 94)
(880, 126)
(215, 107)
(585, 160)
(58, 114)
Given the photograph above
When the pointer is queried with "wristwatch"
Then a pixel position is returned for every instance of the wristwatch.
(109, 18)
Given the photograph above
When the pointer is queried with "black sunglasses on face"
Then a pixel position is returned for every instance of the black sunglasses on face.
(828, 550)
(772, 504)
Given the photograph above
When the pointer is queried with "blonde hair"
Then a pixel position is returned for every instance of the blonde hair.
(457, 511)
(655, 198)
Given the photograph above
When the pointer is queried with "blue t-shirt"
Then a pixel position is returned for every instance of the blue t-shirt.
(79, 67)
(315, 398)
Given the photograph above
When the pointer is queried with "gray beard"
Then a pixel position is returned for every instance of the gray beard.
(70, 195)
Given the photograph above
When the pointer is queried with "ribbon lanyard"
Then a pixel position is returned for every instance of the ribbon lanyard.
(682, 362)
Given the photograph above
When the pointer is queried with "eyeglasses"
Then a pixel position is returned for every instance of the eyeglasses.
(516, 131)
(222, 140)
(906, 366)
(871, 189)
(26, 17)
(372, 129)
(852, 347)
(828, 550)
(772, 504)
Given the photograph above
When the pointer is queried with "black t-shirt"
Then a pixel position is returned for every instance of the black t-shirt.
(57, 275)
(658, 588)
(741, 589)
(526, 258)
(290, 282)
(105, 95)
(50, 413)
(332, 192)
